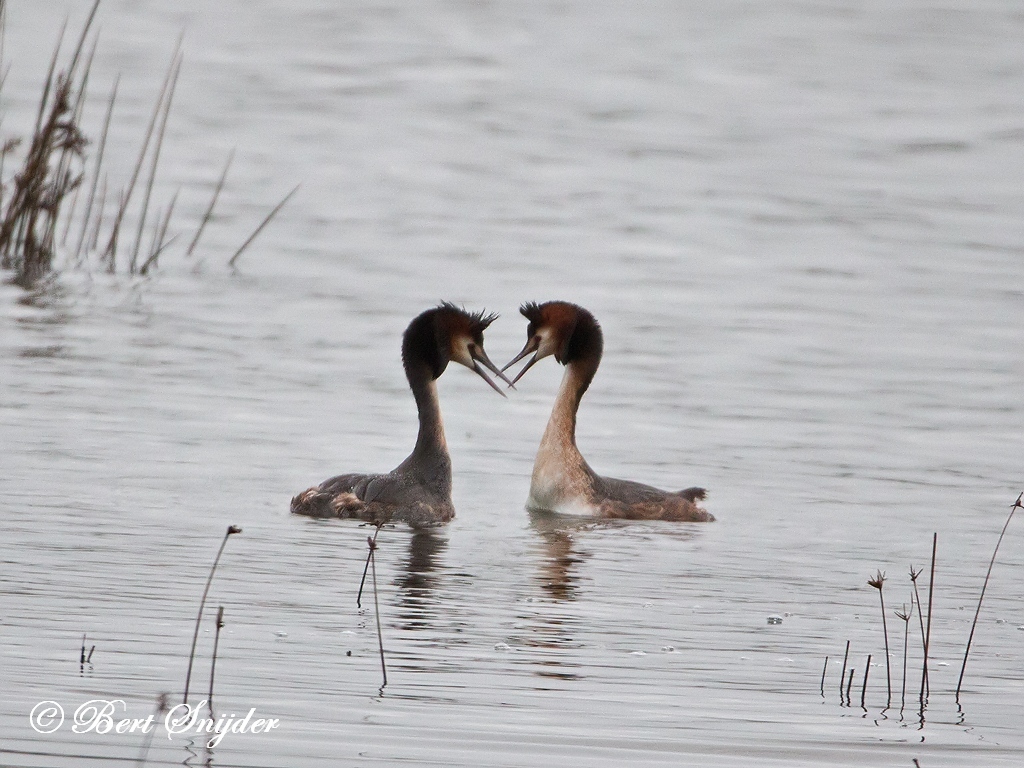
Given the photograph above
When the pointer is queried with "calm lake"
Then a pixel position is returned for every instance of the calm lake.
(801, 226)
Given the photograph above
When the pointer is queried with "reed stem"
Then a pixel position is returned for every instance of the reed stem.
(278, 207)
(842, 675)
(213, 662)
(925, 684)
(366, 567)
(864, 688)
(232, 529)
(1013, 508)
(376, 610)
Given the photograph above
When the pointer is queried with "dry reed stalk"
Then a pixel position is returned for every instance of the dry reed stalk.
(100, 150)
(109, 252)
(159, 234)
(232, 529)
(864, 688)
(842, 675)
(28, 219)
(366, 567)
(914, 574)
(925, 683)
(278, 207)
(906, 633)
(376, 609)
(213, 202)
(848, 684)
(157, 146)
(213, 662)
(878, 582)
(1013, 508)
(824, 669)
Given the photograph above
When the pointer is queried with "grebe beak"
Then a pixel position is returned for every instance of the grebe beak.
(479, 356)
(531, 346)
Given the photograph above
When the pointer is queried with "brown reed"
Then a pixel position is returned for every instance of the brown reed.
(878, 582)
(376, 608)
(925, 683)
(29, 215)
(366, 566)
(906, 632)
(864, 688)
(914, 574)
(213, 661)
(842, 675)
(213, 202)
(232, 529)
(272, 214)
(1013, 508)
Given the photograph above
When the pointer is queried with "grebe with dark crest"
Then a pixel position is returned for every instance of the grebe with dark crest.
(419, 490)
(562, 480)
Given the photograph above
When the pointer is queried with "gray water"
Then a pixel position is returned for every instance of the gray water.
(801, 226)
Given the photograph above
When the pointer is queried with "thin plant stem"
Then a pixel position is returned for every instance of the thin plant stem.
(213, 202)
(213, 662)
(842, 675)
(925, 684)
(376, 610)
(372, 546)
(824, 669)
(1016, 505)
(232, 529)
(849, 683)
(906, 632)
(920, 612)
(100, 149)
(49, 78)
(157, 146)
(864, 688)
(278, 207)
(159, 244)
(126, 197)
(878, 583)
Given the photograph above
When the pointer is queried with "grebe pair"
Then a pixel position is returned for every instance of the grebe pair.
(418, 490)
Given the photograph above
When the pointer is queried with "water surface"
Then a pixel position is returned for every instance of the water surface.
(800, 227)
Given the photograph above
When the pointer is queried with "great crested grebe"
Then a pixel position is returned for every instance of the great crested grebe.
(419, 490)
(562, 480)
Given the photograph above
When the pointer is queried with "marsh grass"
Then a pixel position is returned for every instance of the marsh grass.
(50, 187)
(31, 201)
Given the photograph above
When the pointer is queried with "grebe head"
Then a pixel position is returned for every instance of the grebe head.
(558, 328)
(447, 333)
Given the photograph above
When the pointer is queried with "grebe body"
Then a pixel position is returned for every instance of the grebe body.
(562, 480)
(419, 490)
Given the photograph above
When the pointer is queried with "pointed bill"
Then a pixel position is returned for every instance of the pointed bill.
(479, 356)
(483, 375)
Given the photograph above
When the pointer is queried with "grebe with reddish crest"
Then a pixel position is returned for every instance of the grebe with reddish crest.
(419, 490)
(562, 480)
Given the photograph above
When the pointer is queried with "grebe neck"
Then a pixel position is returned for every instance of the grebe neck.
(430, 440)
(561, 428)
